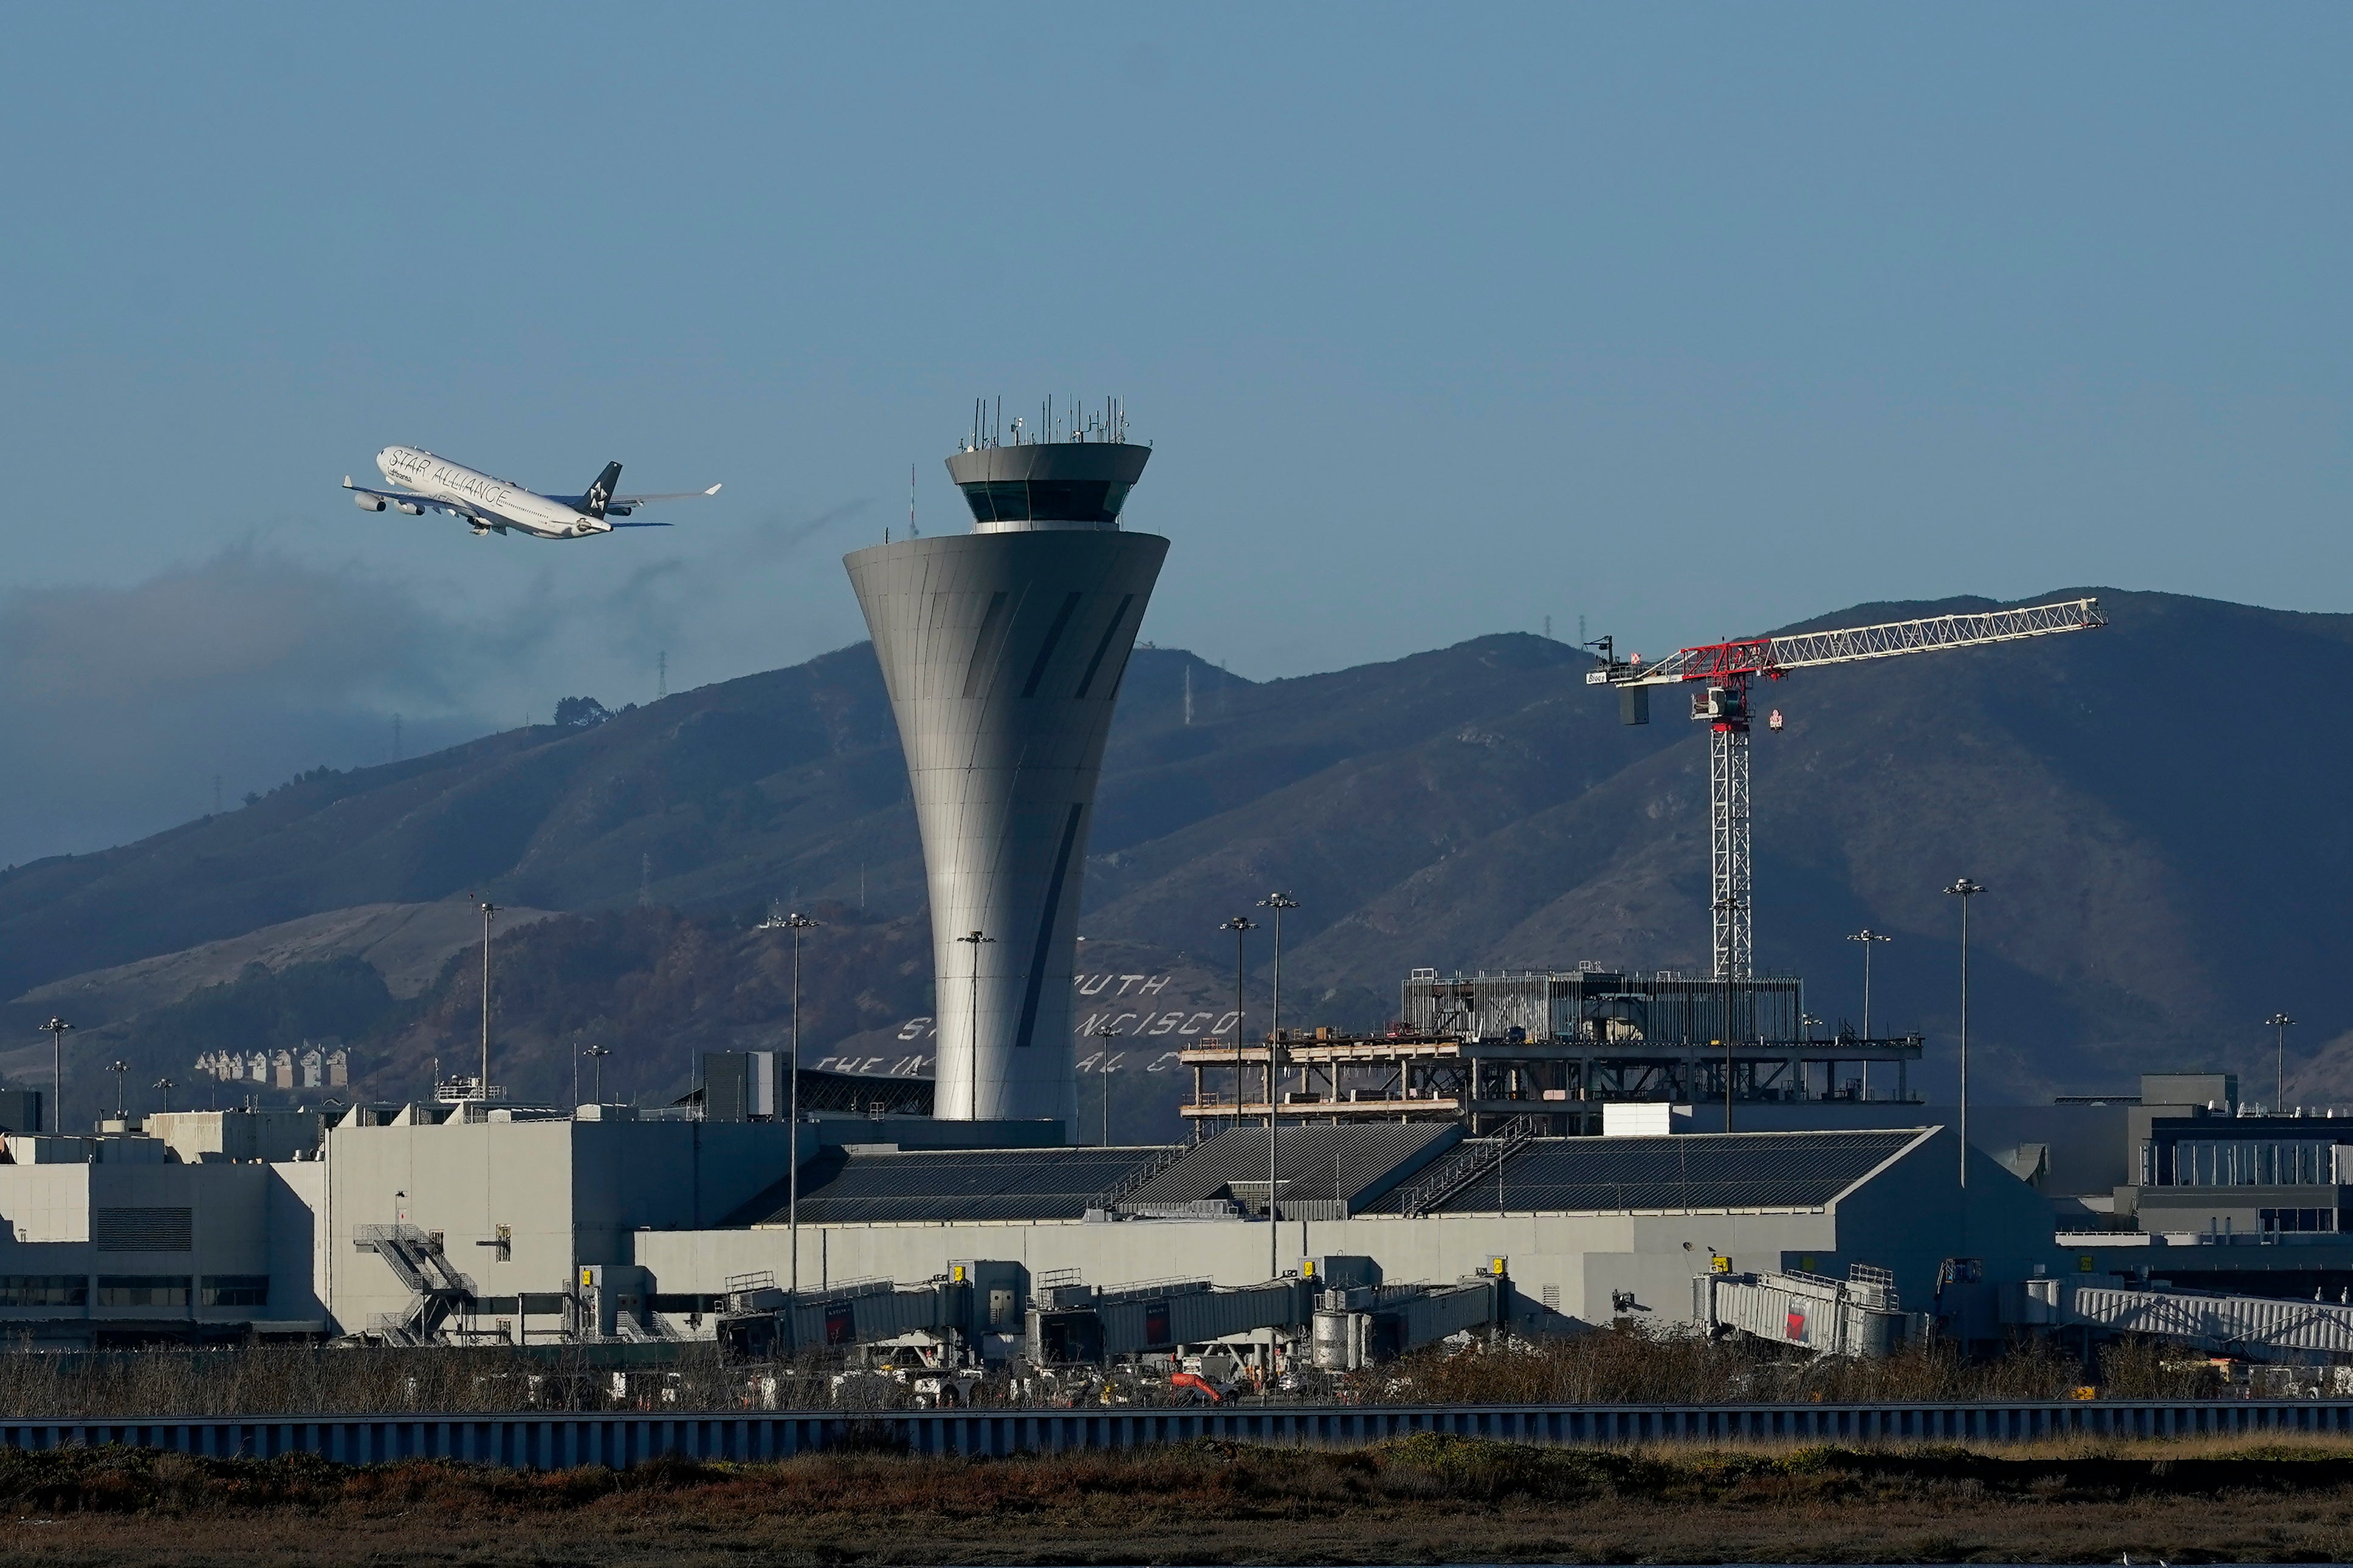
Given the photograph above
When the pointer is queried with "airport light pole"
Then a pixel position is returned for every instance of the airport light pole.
(1241, 925)
(2281, 1023)
(800, 925)
(972, 1087)
(597, 1055)
(58, 1028)
(1965, 889)
(1278, 902)
(482, 1089)
(1869, 938)
(1104, 1034)
(119, 1068)
(165, 1087)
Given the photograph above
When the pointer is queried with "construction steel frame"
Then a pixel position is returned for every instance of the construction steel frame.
(1559, 1085)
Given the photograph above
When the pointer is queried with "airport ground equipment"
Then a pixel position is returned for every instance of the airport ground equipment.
(1858, 1316)
(2253, 1327)
(1722, 673)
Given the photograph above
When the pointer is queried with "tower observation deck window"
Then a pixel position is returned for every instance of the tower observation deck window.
(1045, 500)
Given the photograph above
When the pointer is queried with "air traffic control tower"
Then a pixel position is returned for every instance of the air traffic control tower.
(1002, 650)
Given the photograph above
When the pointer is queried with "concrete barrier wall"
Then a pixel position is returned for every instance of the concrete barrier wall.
(561, 1441)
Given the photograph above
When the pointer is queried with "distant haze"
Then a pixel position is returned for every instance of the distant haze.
(1443, 322)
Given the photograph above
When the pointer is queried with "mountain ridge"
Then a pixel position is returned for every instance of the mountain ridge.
(2147, 803)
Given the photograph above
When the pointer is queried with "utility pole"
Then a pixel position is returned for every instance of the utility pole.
(972, 1088)
(1869, 938)
(1965, 889)
(1278, 902)
(2281, 1023)
(490, 912)
(58, 1028)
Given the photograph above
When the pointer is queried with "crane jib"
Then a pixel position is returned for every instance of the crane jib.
(1745, 658)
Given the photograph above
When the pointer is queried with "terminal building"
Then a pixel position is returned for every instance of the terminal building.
(457, 1224)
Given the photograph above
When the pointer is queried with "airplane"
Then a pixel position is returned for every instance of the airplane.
(497, 506)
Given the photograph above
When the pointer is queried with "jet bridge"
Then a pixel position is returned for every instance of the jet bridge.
(761, 1321)
(1337, 1302)
(2253, 1327)
(1364, 1324)
(1071, 1322)
(1857, 1316)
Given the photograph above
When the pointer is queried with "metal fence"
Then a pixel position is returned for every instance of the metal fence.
(561, 1441)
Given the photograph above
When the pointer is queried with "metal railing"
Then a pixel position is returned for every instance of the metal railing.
(1110, 1196)
(565, 1440)
(1476, 1160)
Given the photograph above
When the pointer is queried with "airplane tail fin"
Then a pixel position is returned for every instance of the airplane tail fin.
(601, 492)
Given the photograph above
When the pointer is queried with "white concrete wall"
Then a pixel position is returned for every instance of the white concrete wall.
(45, 1203)
(296, 1205)
(1585, 1256)
(463, 1180)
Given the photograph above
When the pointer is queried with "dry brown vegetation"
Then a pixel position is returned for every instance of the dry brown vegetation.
(1613, 1366)
(1420, 1500)
(1629, 1366)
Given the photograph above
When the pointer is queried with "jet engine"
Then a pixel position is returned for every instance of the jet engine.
(368, 503)
(411, 507)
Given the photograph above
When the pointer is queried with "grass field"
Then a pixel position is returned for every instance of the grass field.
(1420, 1500)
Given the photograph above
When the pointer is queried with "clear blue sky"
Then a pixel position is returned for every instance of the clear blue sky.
(1443, 319)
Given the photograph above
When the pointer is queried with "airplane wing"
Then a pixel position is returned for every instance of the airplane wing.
(408, 497)
(619, 502)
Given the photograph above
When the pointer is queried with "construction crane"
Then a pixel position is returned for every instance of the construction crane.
(1723, 671)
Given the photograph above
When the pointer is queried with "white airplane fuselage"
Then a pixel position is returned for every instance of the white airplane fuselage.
(436, 482)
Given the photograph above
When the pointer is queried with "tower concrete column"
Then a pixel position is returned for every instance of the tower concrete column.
(1003, 650)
